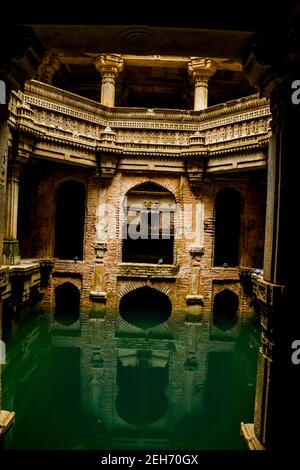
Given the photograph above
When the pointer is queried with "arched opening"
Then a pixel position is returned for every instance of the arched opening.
(69, 220)
(226, 304)
(148, 232)
(145, 307)
(67, 304)
(227, 228)
(141, 399)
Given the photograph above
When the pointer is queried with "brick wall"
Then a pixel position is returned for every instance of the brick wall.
(176, 282)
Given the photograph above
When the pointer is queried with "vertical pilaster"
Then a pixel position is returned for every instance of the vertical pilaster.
(11, 244)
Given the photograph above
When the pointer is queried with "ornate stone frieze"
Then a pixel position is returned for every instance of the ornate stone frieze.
(55, 116)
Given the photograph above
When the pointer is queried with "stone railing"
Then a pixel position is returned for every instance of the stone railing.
(55, 115)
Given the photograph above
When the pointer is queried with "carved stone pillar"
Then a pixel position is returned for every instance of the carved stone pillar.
(4, 139)
(201, 69)
(48, 67)
(273, 67)
(11, 244)
(109, 65)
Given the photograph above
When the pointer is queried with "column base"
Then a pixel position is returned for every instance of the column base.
(11, 252)
(7, 419)
(249, 437)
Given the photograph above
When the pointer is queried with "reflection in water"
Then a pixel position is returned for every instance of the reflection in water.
(102, 385)
(141, 398)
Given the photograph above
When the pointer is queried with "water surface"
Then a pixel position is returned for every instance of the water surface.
(100, 384)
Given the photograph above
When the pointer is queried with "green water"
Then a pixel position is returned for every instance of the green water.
(101, 384)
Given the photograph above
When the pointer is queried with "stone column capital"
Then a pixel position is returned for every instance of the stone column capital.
(201, 69)
(109, 64)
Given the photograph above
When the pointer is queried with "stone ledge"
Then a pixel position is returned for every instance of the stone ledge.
(96, 296)
(196, 250)
(7, 419)
(148, 270)
(249, 437)
(194, 299)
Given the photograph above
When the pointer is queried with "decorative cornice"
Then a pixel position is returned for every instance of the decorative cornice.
(70, 121)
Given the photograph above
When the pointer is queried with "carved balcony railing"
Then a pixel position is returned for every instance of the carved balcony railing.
(61, 119)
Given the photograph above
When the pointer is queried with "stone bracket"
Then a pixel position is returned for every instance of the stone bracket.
(196, 169)
(106, 165)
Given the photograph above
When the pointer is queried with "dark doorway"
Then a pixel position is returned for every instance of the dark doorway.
(227, 232)
(69, 220)
(148, 233)
(226, 304)
(67, 304)
(145, 307)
